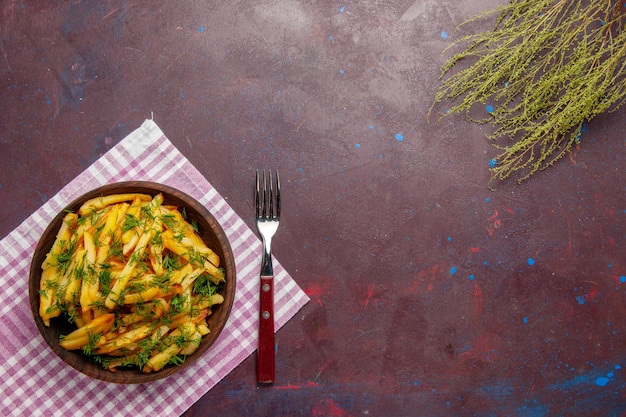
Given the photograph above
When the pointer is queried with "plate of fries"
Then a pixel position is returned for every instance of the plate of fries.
(132, 282)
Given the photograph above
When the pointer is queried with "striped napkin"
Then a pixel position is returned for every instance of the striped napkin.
(34, 381)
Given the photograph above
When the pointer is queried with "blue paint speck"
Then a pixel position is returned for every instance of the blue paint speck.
(371, 127)
(472, 277)
(453, 270)
(618, 367)
(602, 381)
(444, 34)
(622, 278)
(342, 9)
(300, 169)
(341, 71)
(449, 239)
(525, 320)
(487, 200)
(399, 137)
(493, 162)
(330, 38)
(358, 146)
(489, 108)
(201, 29)
(531, 261)
(581, 299)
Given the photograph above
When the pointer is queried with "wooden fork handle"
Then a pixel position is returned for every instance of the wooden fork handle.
(265, 353)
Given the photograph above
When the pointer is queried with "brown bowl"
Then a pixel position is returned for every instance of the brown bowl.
(211, 233)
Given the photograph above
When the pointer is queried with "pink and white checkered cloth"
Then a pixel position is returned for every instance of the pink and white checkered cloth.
(34, 381)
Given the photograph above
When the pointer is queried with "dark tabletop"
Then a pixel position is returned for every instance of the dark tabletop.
(431, 295)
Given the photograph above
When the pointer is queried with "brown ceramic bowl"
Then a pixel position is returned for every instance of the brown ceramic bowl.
(211, 233)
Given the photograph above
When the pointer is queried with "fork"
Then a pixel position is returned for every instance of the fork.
(267, 211)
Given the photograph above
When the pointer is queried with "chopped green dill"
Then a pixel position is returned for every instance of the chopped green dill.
(89, 348)
(98, 232)
(146, 212)
(99, 304)
(105, 278)
(171, 263)
(179, 233)
(169, 220)
(197, 258)
(130, 222)
(177, 304)
(116, 248)
(204, 286)
(176, 360)
(52, 308)
(157, 238)
(64, 258)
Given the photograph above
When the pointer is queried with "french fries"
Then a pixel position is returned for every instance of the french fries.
(135, 278)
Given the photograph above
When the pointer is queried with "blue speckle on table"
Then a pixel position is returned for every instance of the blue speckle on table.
(525, 320)
(531, 261)
(493, 162)
(489, 108)
(622, 278)
(399, 137)
(341, 72)
(444, 34)
(472, 277)
(371, 127)
(342, 9)
(602, 381)
(453, 270)
(201, 29)
(358, 146)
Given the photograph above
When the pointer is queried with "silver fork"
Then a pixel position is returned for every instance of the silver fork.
(267, 211)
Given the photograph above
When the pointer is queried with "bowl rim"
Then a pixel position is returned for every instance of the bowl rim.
(220, 315)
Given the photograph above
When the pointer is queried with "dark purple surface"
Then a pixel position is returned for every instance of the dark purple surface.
(430, 294)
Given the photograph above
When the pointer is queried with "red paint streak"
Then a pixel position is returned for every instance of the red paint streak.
(433, 277)
(328, 408)
(478, 302)
(509, 210)
(485, 348)
(369, 297)
(293, 387)
(495, 223)
(315, 291)
(475, 249)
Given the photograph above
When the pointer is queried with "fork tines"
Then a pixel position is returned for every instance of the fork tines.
(267, 195)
